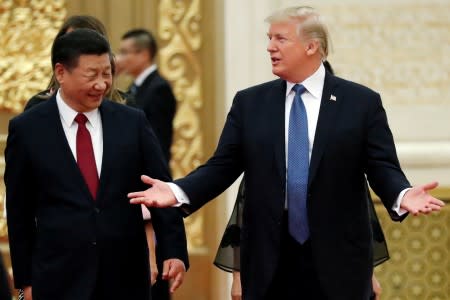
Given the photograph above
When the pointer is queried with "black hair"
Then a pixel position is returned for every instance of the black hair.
(144, 39)
(68, 48)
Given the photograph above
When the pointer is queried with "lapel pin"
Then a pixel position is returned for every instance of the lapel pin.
(333, 98)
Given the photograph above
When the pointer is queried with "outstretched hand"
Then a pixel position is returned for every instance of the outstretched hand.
(418, 200)
(158, 195)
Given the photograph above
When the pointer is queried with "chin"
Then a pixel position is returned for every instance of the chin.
(277, 72)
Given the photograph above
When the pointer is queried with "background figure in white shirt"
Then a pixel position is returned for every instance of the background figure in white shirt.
(152, 92)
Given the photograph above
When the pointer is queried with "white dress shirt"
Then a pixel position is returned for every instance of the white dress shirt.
(93, 125)
(144, 74)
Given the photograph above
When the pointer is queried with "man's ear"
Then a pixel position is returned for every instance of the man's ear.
(312, 47)
(59, 71)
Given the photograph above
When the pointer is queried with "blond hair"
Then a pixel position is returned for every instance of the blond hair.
(310, 25)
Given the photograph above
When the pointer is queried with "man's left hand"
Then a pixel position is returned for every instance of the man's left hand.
(174, 270)
(417, 200)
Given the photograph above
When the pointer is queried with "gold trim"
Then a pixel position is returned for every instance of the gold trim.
(181, 39)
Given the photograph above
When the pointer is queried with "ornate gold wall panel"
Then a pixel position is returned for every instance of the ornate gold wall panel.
(180, 40)
(419, 247)
(28, 28)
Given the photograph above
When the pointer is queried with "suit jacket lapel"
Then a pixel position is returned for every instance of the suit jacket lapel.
(108, 126)
(58, 138)
(325, 122)
(278, 96)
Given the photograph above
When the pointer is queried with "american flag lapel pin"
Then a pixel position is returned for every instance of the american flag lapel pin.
(333, 98)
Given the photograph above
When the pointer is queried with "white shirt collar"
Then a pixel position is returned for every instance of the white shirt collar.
(68, 114)
(313, 84)
(144, 74)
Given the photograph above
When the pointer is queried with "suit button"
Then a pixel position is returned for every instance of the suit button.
(94, 243)
(309, 195)
(97, 210)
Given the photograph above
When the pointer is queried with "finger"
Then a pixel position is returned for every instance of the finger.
(176, 283)
(136, 194)
(434, 207)
(148, 180)
(140, 200)
(166, 268)
(430, 186)
(437, 202)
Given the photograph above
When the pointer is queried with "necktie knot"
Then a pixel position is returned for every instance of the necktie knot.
(81, 119)
(299, 89)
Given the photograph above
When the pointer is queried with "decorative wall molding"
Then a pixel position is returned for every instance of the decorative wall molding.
(28, 28)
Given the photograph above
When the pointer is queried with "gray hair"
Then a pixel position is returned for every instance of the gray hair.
(310, 25)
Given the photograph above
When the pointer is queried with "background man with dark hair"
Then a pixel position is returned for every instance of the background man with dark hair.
(152, 92)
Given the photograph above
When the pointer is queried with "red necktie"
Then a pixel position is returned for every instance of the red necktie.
(85, 155)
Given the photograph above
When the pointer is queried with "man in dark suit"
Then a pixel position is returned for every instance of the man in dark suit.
(305, 231)
(70, 162)
(152, 92)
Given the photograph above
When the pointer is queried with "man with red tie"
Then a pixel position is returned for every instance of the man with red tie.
(70, 163)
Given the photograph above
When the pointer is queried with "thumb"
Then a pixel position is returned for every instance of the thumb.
(148, 180)
(430, 186)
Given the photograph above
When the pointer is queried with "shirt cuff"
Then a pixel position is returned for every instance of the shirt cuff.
(146, 213)
(396, 207)
(180, 195)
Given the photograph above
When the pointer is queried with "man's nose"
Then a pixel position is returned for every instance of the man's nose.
(271, 46)
(101, 85)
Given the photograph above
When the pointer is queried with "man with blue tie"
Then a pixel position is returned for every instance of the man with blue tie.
(306, 142)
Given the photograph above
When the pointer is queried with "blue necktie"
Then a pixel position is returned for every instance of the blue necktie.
(297, 168)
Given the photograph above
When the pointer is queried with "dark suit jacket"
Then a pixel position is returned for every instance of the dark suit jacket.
(156, 98)
(65, 244)
(228, 254)
(352, 139)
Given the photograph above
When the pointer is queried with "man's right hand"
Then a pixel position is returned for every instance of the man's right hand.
(158, 195)
(27, 293)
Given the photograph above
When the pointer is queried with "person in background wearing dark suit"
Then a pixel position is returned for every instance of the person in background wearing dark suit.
(306, 143)
(73, 234)
(152, 92)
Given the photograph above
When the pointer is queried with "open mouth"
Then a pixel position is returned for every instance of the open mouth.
(274, 60)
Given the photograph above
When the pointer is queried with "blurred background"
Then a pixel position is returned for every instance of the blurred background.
(210, 49)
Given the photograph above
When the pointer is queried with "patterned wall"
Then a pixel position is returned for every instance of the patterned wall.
(419, 267)
(28, 29)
